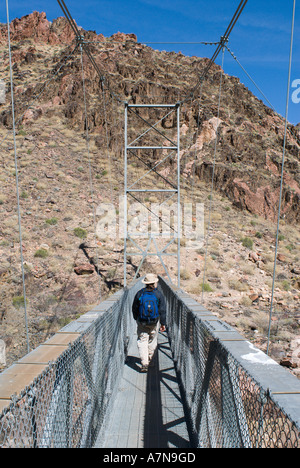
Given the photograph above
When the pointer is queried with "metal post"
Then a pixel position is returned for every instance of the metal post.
(125, 196)
(178, 196)
(173, 148)
(17, 175)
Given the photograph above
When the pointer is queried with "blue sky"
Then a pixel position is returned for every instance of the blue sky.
(260, 39)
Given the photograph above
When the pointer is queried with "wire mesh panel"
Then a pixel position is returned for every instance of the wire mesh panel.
(229, 403)
(226, 403)
(66, 405)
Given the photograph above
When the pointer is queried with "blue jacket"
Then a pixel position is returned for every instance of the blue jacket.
(161, 305)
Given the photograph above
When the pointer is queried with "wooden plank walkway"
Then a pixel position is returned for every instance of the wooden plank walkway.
(148, 410)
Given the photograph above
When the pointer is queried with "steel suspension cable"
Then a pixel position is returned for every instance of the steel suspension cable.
(17, 176)
(213, 175)
(107, 142)
(69, 17)
(197, 135)
(293, 135)
(105, 111)
(90, 165)
(85, 46)
(222, 43)
(193, 169)
(282, 170)
(250, 78)
(44, 87)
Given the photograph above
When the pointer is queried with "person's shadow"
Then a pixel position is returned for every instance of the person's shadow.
(132, 362)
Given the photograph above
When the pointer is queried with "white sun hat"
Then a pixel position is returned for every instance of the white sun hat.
(150, 279)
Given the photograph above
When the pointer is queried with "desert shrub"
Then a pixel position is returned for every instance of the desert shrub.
(246, 301)
(196, 288)
(237, 285)
(18, 301)
(63, 321)
(248, 269)
(185, 274)
(51, 221)
(81, 233)
(41, 253)
(247, 242)
(285, 285)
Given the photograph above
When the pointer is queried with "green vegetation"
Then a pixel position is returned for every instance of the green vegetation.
(81, 233)
(247, 242)
(18, 301)
(51, 221)
(285, 285)
(41, 253)
(207, 288)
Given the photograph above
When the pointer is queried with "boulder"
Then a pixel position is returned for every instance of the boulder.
(84, 269)
(281, 258)
(288, 362)
(253, 257)
(254, 297)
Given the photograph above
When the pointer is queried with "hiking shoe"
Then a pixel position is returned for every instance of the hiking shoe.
(144, 368)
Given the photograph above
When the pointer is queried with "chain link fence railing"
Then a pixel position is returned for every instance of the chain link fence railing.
(66, 405)
(235, 396)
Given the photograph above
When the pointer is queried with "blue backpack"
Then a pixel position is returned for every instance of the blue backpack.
(148, 308)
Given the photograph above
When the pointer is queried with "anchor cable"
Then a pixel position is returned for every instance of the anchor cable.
(223, 41)
(17, 176)
(282, 172)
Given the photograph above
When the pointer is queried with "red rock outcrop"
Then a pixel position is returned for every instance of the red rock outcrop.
(250, 140)
(37, 28)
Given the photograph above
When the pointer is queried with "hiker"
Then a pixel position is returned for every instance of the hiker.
(149, 311)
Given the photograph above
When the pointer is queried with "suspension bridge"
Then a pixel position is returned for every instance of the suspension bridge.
(209, 387)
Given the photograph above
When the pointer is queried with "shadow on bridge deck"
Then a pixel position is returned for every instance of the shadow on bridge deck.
(148, 411)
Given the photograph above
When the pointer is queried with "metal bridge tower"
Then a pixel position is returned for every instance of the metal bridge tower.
(162, 228)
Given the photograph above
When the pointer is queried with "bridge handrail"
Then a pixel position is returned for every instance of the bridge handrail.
(59, 395)
(235, 395)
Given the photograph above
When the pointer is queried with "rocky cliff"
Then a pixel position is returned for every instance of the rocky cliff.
(61, 256)
(251, 135)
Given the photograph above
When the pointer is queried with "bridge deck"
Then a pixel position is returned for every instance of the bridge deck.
(148, 410)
